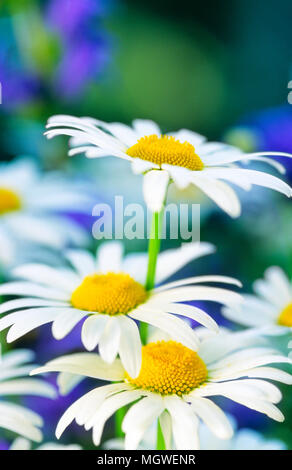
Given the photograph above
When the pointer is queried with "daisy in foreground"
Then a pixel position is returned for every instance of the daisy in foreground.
(271, 306)
(175, 385)
(109, 291)
(182, 157)
(32, 209)
(13, 366)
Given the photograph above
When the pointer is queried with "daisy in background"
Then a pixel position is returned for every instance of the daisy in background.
(175, 385)
(23, 444)
(32, 208)
(272, 304)
(242, 439)
(183, 157)
(14, 366)
(109, 292)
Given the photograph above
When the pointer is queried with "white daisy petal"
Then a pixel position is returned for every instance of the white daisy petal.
(184, 424)
(27, 387)
(135, 264)
(130, 346)
(270, 373)
(29, 302)
(176, 328)
(81, 410)
(199, 280)
(110, 340)
(222, 194)
(280, 282)
(184, 294)
(20, 444)
(213, 416)
(166, 428)
(25, 321)
(171, 261)
(260, 178)
(144, 127)
(82, 261)
(16, 358)
(139, 418)
(51, 277)
(88, 409)
(155, 184)
(87, 364)
(67, 382)
(34, 290)
(184, 135)
(19, 424)
(109, 257)
(141, 166)
(107, 409)
(92, 330)
(193, 313)
(66, 321)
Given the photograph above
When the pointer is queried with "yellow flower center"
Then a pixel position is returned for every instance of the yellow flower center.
(169, 368)
(166, 149)
(9, 201)
(285, 318)
(110, 294)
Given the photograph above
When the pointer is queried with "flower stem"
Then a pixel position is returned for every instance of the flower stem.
(119, 416)
(153, 251)
(160, 443)
(154, 247)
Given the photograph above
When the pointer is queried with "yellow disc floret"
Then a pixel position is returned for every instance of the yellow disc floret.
(285, 318)
(166, 149)
(111, 294)
(169, 368)
(9, 201)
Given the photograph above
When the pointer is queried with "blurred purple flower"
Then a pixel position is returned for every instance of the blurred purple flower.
(82, 60)
(67, 16)
(272, 129)
(4, 445)
(85, 50)
(82, 45)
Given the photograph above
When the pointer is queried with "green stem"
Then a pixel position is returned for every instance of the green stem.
(153, 251)
(160, 443)
(154, 247)
(119, 416)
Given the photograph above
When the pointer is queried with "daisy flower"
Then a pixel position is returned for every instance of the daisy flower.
(109, 292)
(272, 304)
(182, 157)
(24, 444)
(175, 385)
(13, 366)
(32, 209)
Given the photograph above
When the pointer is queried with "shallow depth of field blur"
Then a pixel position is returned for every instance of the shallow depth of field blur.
(219, 69)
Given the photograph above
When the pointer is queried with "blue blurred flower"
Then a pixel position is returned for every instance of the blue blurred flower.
(84, 47)
(266, 130)
(65, 49)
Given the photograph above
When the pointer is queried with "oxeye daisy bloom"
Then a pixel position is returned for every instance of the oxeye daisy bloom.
(272, 304)
(13, 367)
(109, 292)
(183, 157)
(32, 209)
(175, 385)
